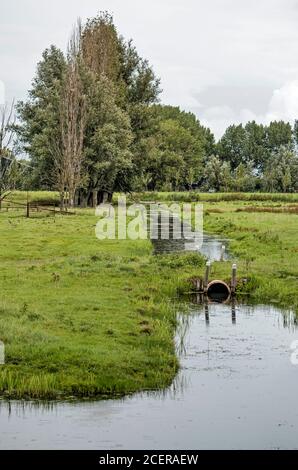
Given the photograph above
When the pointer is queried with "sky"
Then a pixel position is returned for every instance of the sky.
(228, 61)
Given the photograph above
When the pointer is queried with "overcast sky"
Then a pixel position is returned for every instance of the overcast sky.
(228, 61)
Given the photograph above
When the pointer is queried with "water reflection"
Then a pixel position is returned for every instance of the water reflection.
(212, 247)
(208, 305)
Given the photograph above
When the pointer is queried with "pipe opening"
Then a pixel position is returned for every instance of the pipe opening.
(218, 291)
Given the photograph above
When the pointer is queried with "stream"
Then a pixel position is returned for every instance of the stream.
(236, 389)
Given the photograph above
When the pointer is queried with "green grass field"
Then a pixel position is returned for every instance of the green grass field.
(83, 317)
(88, 318)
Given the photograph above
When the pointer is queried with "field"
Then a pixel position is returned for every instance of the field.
(88, 318)
(193, 196)
(82, 317)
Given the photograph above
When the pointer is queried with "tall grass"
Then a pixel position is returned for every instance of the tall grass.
(41, 197)
(194, 196)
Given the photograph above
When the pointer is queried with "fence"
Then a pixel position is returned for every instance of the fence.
(30, 207)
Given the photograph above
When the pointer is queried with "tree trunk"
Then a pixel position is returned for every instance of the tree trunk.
(61, 200)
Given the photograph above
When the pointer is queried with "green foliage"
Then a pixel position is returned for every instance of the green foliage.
(177, 147)
(119, 86)
(232, 146)
(243, 179)
(131, 143)
(279, 134)
(217, 174)
(108, 135)
(281, 172)
(254, 144)
(39, 116)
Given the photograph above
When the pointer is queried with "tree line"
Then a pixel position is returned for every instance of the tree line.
(93, 121)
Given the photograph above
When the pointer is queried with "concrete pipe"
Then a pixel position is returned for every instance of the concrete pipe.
(218, 291)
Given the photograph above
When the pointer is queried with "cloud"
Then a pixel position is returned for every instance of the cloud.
(225, 60)
(282, 105)
(2, 92)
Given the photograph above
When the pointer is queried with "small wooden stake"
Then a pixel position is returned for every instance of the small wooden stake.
(222, 254)
(207, 273)
(234, 279)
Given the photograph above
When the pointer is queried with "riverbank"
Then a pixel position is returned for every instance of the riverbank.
(87, 318)
(265, 245)
(81, 317)
(263, 234)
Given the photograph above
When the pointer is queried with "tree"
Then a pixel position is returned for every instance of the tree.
(279, 133)
(134, 83)
(244, 178)
(217, 175)
(69, 158)
(232, 147)
(281, 173)
(295, 135)
(107, 141)
(256, 145)
(39, 118)
(178, 140)
(119, 87)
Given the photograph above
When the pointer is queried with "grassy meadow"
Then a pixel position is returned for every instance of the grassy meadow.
(82, 317)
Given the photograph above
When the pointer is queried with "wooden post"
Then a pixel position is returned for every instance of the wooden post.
(28, 206)
(199, 285)
(222, 254)
(207, 273)
(234, 279)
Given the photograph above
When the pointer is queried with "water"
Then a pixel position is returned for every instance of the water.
(212, 247)
(237, 389)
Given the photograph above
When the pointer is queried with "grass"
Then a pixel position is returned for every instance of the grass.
(191, 196)
(42, 197)
(88, 318)
(82, 317)
(265, 246)
(262, 228)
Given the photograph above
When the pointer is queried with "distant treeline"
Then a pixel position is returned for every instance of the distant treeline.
(92, 121)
